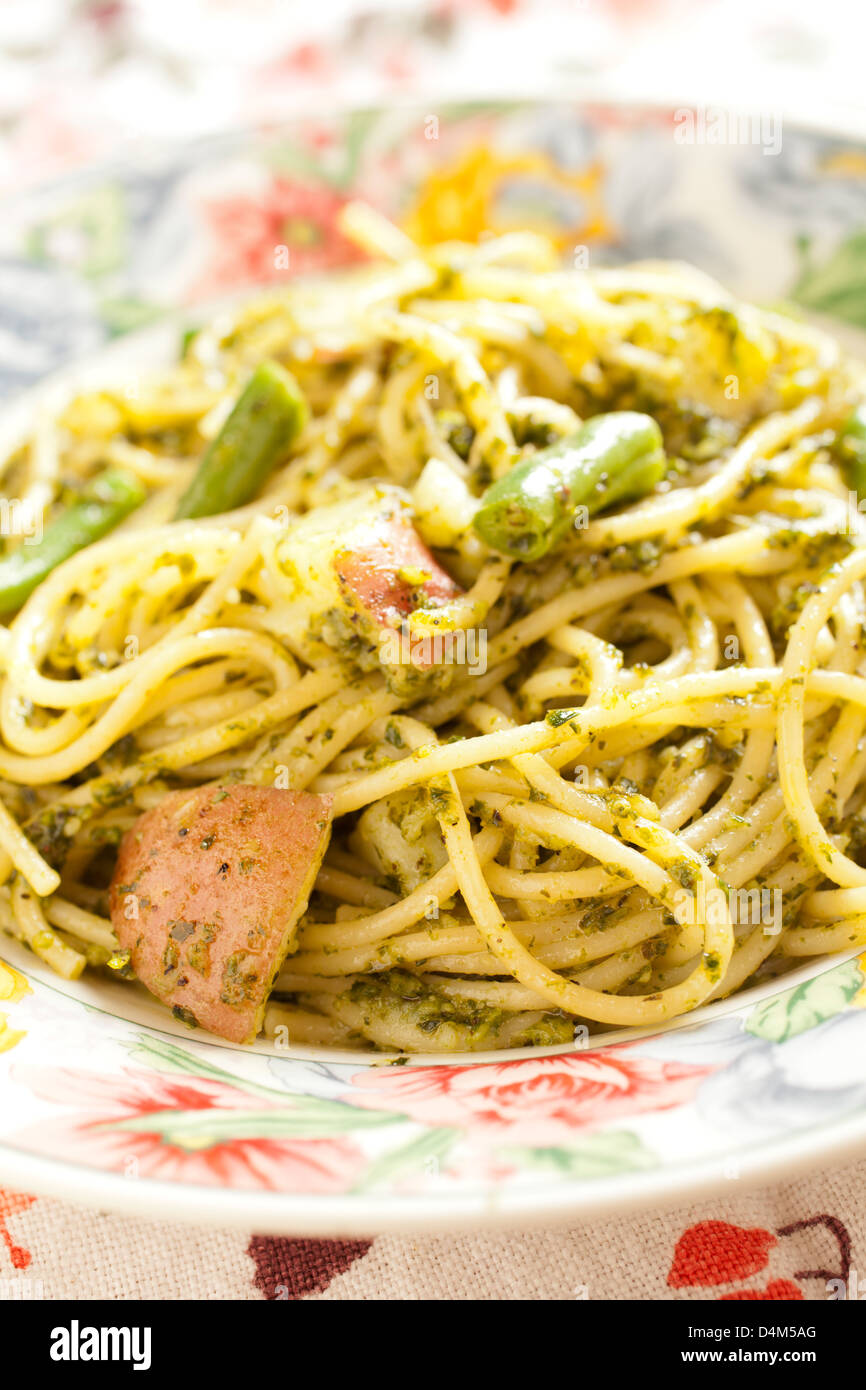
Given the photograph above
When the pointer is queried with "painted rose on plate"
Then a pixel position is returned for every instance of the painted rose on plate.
(536, 1100)
(181, 1129)
(286, 227)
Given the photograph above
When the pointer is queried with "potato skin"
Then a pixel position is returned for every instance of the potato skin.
(372, 575)
(353, 571)
(207, 890)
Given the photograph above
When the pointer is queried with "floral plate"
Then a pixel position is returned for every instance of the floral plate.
(103, 1097)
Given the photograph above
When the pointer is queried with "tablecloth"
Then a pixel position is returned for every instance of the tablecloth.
(799, 1241)
(80, 82)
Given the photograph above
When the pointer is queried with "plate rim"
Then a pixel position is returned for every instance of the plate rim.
(330, 1214)
(270, 1212)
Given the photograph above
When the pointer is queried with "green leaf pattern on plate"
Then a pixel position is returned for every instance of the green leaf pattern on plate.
(836, 286)
(797, 1010)
(426, 1152)
(596, 1156)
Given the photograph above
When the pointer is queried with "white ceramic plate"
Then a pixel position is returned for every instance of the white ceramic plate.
(103, 1097)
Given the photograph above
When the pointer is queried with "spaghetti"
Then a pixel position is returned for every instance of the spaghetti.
(594, 764)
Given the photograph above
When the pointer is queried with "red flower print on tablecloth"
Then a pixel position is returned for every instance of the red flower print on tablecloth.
(711, 1254)
(309, 60)
(181, 1129)
(536, 1101)
(715, 1252)
(248, 229)
(11, 1203)
(776, 1290)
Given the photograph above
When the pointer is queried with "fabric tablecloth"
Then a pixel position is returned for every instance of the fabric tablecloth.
(798, 1240)
(79, 83)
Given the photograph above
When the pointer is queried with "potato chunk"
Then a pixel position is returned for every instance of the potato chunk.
(356, 571)
(208, 889)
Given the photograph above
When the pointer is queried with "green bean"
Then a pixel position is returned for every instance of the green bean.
(850, 449)
(102, 505)
(611, 458)
(267, 417)
(187, 338)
